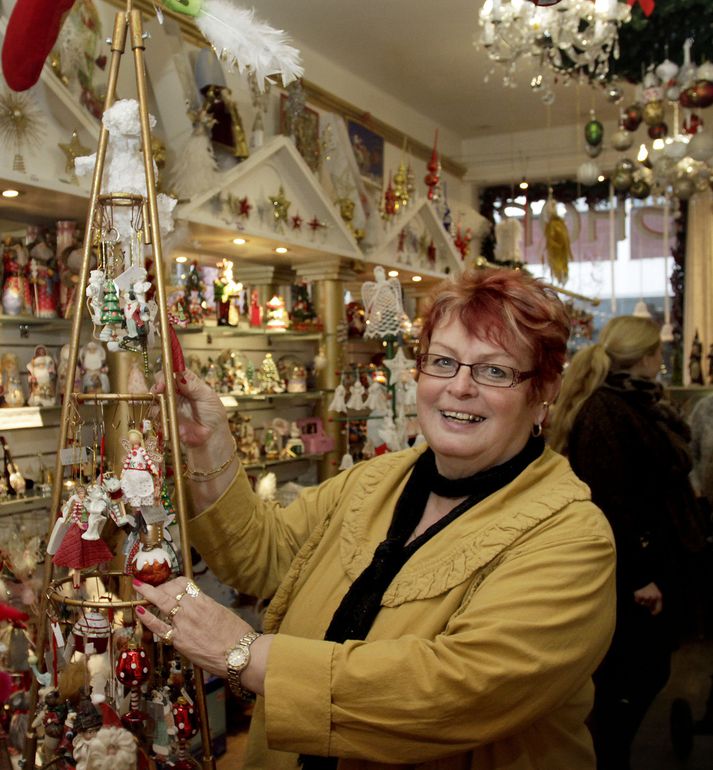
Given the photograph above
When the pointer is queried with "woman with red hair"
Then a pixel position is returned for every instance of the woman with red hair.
(438, 607)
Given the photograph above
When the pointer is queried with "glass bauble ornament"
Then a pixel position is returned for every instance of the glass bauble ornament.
(663, 168)
(632, 117)
(614, 94)
(148, 560)
(666, 71)
(704, 93)
(701, 146)
(132, 670)
(688, 98)
(705, 71)
(621, 140)
(653, 112)
(184, 719)
(588, 173)
(640, 189)
(594, 150)
(675, 149)
(622, 180)
(593, 132)
(657, 131)
(683, 188)
(702, 179)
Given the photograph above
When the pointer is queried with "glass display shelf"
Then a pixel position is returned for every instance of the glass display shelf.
(233, 400)
(262, 464)
(17, 504)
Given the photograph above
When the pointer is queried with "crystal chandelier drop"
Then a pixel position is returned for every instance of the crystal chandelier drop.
(575, 37)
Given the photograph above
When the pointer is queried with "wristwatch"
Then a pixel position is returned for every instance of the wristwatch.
(237, 659)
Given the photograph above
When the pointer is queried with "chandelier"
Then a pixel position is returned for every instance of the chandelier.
(574, 37)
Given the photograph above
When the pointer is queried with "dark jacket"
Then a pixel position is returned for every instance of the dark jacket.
(631, 448)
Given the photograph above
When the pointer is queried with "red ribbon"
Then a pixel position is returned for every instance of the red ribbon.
(647, 6)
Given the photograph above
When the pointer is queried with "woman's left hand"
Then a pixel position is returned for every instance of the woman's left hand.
(202, 629)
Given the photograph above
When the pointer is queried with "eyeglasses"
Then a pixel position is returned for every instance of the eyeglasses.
(494, 375)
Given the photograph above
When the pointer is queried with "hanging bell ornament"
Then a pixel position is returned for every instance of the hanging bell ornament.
(91, 633)
(632, 117)
(658, 131)
(653, 112)
(621, 140)
(132, 670)
(593, 132)
(184, 719)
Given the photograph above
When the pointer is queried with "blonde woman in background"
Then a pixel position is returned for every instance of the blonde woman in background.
(631, 448)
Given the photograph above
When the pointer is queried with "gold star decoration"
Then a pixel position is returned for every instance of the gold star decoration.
(280, 206)
(73, 149)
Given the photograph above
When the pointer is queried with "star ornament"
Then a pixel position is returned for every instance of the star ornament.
(297, 222)
(73, 149)
(399, 367)
(280, 206)
(244, 207)
(315, 224)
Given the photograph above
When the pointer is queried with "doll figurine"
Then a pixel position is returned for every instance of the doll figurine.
(138, 471)
(11, 382)
(92, 358)
(43, 378)
(68, 546)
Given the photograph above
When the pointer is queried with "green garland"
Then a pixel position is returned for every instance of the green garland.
(644, 41)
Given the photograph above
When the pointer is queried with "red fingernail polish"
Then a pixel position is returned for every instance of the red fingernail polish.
(136, 582)
(141, 610)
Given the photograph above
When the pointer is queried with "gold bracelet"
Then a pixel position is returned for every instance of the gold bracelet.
(195, 475)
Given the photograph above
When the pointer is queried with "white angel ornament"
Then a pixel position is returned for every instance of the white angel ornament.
(376, 399)
(382, 305)
(338, 402)
(356, 396)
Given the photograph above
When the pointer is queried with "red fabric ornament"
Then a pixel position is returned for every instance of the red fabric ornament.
(647, 6)
(31, 33)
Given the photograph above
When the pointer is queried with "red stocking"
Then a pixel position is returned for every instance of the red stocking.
(31, 33)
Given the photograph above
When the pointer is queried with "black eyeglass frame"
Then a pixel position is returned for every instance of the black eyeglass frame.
(517, 375)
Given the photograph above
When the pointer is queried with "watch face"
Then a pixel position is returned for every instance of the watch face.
(238, 657)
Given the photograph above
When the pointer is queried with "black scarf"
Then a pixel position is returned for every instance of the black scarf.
(362, 602)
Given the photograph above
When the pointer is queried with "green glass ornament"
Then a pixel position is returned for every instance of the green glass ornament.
(185, 7)
(594, 132)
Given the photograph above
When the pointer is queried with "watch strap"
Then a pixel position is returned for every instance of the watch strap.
(234, 672)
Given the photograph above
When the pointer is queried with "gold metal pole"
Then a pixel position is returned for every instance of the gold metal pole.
(137, 45)
(118, 43)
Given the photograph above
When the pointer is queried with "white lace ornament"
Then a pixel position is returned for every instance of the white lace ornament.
(382, 305)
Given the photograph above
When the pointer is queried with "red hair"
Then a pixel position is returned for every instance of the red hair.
(508, 308)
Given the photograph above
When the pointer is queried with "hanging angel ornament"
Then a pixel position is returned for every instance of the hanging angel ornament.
(376, 399)
(68, 547)
(139, 470)
(382, 305)
(356, 396)
(338, 402)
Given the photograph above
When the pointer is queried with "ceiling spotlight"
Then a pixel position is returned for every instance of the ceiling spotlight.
(393, 273)
(524, 185)
(239, 241)
(181, 260)
(416, 278)
(10, 193)
(280, 250)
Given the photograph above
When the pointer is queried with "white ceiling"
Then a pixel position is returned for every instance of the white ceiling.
(422, 52)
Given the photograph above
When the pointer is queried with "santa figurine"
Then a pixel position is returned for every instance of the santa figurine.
(92, 358)
(43, 378)
(67, 544)
(139, 470)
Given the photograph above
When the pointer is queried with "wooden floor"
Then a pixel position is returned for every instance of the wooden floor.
(690, 680)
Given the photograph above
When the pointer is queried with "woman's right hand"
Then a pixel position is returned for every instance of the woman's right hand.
(650, 596)
(202, 419)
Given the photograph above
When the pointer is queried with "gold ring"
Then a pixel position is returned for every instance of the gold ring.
(166, 638)
(180, 596)
(192, 589)
(173, 611)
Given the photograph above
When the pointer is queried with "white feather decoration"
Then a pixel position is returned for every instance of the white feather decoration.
(242, 41)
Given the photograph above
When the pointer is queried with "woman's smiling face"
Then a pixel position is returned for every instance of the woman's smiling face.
(471, 427)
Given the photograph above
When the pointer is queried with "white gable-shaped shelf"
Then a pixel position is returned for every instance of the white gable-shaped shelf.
(241, 206)
(46, 187)
(417, 243)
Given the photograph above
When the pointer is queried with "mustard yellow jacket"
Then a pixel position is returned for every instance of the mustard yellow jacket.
(482, 653)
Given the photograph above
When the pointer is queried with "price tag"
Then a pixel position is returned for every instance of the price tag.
(57, 632)
(74, 455)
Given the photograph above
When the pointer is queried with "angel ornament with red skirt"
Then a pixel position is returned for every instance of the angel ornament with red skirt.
(68, 544)
(141, 466)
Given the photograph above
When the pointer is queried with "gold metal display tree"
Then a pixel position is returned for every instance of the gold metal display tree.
(93, 608)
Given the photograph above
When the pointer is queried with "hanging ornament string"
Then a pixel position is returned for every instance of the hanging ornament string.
(612, 247)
